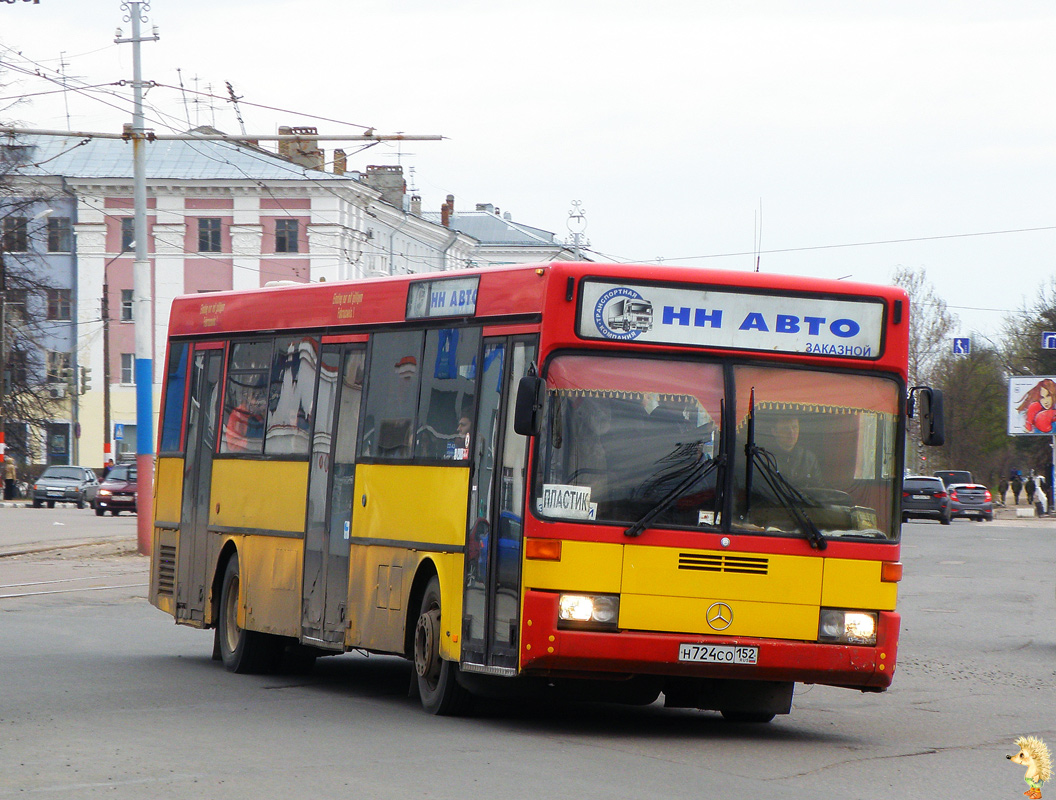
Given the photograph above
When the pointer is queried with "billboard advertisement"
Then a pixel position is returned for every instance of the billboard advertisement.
(1032, 405)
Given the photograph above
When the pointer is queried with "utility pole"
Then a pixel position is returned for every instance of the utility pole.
(142, 308)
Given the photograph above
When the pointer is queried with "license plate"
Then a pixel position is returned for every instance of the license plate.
(920, 497)
(717, 654)
(117, 498)
(54, 493)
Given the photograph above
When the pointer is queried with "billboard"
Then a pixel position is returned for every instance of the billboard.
(1032, 405)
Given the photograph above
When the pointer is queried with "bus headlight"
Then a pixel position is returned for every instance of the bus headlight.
(591, 610)
(847, 627)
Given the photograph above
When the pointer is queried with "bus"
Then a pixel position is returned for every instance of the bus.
(476, 471)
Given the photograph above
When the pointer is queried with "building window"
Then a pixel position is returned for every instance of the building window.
(286, 236)
(13, 236)
(128, 234)
(60, 235)
(15, 306)
(59, 305)
(128, 368)
(126, 305)
(57, 363)
(209, 235)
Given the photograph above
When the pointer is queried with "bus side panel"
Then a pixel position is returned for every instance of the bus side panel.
(403, 515)
(856, 584)
(271, 570)
(168, 496)
(264, 495)
(258, 497)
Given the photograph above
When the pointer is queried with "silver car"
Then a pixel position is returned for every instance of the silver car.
(77, 485)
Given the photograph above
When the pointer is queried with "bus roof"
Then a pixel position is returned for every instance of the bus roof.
(497, 293)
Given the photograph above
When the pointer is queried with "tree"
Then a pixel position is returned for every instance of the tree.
(930, 327)
(1024, 355)
(975, 389)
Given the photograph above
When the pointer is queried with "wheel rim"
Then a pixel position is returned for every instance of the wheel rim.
(426, 652)
(230, 612)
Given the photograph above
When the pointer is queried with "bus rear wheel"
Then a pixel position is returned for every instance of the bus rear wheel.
(241, 650)
(438, 685)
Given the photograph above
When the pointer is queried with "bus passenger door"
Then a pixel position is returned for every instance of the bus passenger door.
(491, 604)
(330, 484)
(202, 423)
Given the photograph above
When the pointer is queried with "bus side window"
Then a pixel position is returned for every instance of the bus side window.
(392, 395)
(246, 398)
(292, 394)
(448, 392)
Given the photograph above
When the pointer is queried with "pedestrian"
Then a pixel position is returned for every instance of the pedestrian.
(109, 465)
(10, 478)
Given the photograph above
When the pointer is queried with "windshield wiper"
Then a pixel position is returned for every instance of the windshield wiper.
(697, 472)
(788, 495)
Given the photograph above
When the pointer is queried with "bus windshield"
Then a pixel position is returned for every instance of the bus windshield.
(624, 438)
(824, 443)
(622, 434)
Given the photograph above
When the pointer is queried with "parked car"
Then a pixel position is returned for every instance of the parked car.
(76, 485)
(117, 492)
(951, 476)
(971, 500)
(925, 497)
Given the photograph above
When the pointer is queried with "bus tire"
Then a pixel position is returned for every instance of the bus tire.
(241, 651)
(438, 685)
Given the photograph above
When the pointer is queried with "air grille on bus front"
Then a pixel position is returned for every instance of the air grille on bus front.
(745, 565)
(167, 569)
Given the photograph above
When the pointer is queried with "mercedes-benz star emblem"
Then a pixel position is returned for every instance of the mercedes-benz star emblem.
(719, 616)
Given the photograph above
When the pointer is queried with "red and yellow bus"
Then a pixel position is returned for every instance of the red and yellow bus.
(605, 481)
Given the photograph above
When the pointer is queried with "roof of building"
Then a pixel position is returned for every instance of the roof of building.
(489, 228)
(165, 160)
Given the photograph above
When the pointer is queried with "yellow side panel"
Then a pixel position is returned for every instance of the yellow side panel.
(687, 615)
(271, 570)
(411, 503)
(259, 494)
(857, 584)
(584, 567)
(168, 489)
(692, 573)
(411, 513)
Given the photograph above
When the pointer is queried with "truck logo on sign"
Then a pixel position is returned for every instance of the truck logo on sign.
(622, 313)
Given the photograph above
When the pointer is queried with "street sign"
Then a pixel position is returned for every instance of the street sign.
(1048, 340)
(119, 431)
(962, 346)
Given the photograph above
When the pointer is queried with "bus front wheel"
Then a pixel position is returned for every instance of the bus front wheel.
(241, 650)
(438, 685)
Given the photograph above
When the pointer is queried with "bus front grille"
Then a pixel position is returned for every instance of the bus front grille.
(704, 562)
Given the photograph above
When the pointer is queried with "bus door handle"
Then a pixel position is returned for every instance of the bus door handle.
(364, 501)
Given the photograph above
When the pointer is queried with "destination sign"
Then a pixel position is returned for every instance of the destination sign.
(444, 297)
(779, 323)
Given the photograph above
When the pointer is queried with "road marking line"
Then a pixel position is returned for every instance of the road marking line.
(66, 591)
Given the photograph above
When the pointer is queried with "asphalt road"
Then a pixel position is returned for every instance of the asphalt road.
(102, 696)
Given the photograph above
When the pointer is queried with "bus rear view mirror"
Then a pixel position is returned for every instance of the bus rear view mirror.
(529, 403)
(932, 422)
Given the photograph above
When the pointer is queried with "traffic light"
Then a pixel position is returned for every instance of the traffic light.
(69, 378)
(86, 379)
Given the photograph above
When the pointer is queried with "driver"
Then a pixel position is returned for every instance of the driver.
(795, 462)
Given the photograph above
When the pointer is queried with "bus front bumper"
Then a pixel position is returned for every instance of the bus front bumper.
(546, 650)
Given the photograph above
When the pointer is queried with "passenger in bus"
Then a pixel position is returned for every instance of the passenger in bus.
(796, 463)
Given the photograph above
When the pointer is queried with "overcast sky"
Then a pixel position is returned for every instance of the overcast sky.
(690, 130)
